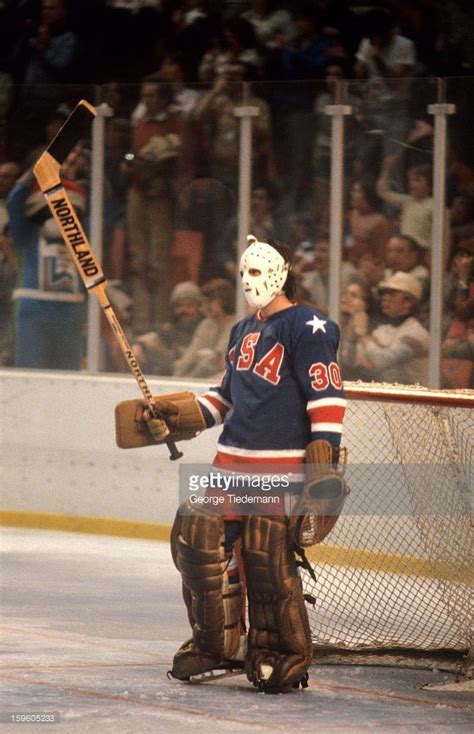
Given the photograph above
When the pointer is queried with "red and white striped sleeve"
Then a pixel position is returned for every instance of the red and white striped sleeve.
(214, 407)
(320, 378)
(327, 416)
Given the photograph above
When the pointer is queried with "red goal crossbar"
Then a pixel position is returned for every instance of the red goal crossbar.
(385, 392)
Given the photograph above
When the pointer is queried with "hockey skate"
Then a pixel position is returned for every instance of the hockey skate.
(264, 685)
(262, 675)
(196, 666)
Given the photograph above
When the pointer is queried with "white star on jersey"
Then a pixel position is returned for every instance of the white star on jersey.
(317, 324)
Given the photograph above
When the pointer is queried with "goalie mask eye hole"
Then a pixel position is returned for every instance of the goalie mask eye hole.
(254, 272)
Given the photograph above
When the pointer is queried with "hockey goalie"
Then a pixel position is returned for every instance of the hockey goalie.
(280, 402)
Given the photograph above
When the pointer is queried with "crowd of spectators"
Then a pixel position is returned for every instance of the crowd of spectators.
(171, 76)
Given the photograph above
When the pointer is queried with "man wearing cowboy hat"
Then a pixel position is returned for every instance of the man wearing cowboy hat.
(397, 350)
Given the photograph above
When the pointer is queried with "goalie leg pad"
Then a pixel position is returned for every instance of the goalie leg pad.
(279, 642)
(214, 606)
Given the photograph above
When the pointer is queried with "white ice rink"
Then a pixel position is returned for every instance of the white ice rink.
(89, 627)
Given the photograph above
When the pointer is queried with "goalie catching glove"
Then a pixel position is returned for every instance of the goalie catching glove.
(324, 493)
(177, 415)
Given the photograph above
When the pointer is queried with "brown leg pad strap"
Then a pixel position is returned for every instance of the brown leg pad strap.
(279, 635)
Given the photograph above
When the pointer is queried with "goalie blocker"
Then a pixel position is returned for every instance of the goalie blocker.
(179, 417)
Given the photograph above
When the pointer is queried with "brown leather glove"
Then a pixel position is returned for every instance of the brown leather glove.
(177, 415)
(324, 493)
(162, 422)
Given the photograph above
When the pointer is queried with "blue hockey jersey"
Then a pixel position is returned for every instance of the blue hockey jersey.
(282, 388)
(48, 274)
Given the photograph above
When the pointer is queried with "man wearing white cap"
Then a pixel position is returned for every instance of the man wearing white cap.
(157, 351)
(397, 350)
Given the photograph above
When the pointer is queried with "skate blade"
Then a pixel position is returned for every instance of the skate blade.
(224, 672)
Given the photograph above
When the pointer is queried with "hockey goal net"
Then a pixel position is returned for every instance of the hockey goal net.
(395, 574)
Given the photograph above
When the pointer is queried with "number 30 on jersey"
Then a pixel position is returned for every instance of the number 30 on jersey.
(324, 375)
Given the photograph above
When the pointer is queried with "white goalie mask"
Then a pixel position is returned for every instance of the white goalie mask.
(263, 271)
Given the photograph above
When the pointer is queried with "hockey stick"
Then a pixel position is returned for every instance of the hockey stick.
(47, 172)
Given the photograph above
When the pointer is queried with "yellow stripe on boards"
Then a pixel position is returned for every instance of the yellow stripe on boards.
(332, 555)
(85, 524)
(378, 562)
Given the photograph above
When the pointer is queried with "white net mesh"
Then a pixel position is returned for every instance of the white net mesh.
(396, 571)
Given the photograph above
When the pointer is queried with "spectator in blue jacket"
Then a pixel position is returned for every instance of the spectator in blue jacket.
(49, 296)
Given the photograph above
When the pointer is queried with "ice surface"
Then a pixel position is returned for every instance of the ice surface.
(89, 627)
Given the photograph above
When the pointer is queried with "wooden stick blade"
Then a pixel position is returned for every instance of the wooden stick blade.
(77, 126)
